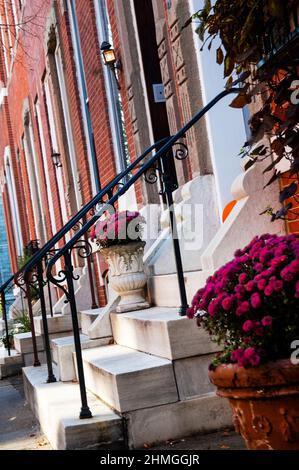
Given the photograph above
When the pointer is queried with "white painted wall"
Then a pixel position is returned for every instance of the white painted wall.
(225, 125)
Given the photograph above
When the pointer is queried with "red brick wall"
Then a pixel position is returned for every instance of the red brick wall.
(26, 83)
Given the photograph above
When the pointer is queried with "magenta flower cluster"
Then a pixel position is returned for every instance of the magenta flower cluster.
(119, 228)
(251, 304)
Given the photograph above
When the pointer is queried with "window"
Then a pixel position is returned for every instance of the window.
(13, 202)
(60, 122)
(67, 124)
(55, 147)
(88, 129)
(34, 177)
(8, 29)
(115, 109)
(45, 164)
(4, 48)
(15, 16)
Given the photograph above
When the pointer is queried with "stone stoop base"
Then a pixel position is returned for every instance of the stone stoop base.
(57, 407)
(10, 365)
(151, 386)
(201, 415)
(59, 326)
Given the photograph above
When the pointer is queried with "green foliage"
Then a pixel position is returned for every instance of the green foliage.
(22, 260)
(21, 324)
(244, 28)
(240, 25)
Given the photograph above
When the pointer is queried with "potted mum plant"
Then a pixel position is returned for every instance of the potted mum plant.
(120, 239)
(251, 307)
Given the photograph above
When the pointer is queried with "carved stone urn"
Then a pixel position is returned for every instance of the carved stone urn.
(127, 275)
(265, 402)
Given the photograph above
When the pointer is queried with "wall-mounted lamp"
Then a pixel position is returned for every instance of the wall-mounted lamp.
(56, 159)
(110, 60)
(32, 247)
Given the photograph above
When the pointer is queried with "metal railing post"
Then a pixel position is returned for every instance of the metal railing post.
(94, 304)
(40, 279)
(168, 190)
(4, 313)
(36, 361)
(50, 299)
(85, 411)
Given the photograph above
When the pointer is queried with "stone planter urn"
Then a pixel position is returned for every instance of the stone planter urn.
(127, 275)
(265, 402)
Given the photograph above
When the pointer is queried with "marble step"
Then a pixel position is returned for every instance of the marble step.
(10, 365)
(57, 406)
(23, 341)
(88, 317)
(164, 291)
(162, 332)
(57, 324)
(129, 380)
(205, 414)
(62, 353)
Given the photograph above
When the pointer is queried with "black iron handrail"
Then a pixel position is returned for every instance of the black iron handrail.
(66, 274)
(43, 252)
(82, 212)
(141, 171)
(164, 146)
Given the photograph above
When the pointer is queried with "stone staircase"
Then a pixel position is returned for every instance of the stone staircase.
(149, 379)
(59, 326)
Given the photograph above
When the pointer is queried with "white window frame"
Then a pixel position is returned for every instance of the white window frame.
(81, 86)
(55, 148)
(34, 180)
(8, 31)
(13, 202)
(46, 166)
(4, 50)
(68, 125)
(110, 86)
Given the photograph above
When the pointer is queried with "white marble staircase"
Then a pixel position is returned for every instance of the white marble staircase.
(153, 378)
(58, 326)
(57, 405)
(126, 379)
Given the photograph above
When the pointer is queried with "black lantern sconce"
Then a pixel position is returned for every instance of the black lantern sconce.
(32, 247)
(56, 159)
(110, 60)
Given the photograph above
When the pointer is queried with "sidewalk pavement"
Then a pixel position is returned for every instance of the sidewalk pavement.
(19, 429)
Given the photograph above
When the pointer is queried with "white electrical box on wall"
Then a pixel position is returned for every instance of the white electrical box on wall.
(159, 96)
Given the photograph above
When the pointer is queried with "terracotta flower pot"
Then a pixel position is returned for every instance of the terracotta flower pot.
(265, 403)
(127, 275)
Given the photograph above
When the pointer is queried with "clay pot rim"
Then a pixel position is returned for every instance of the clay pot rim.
(271, 374)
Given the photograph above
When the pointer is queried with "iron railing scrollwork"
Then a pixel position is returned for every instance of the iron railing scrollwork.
(43, 262)
(49, 250)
